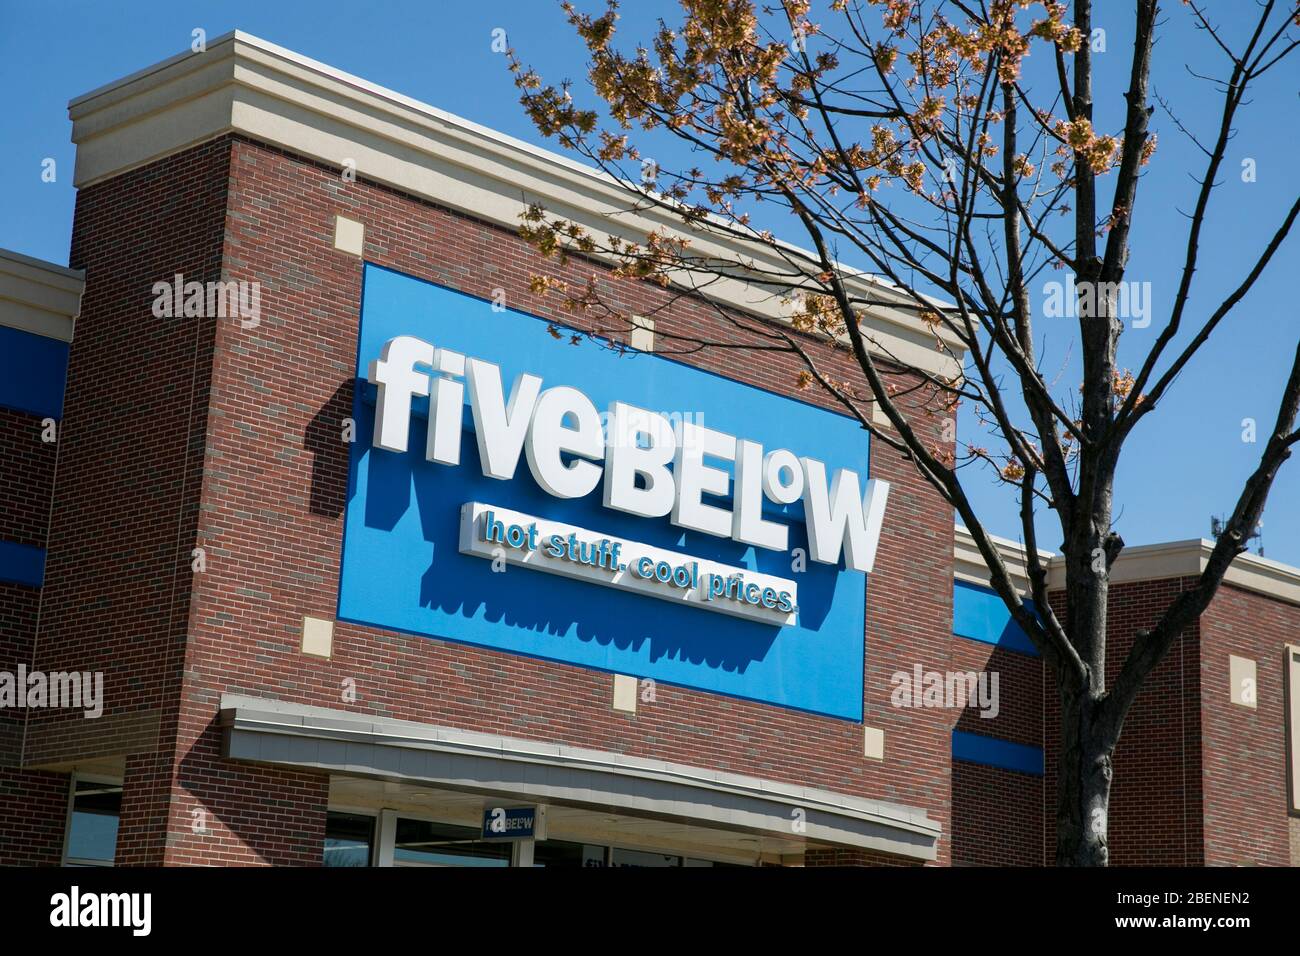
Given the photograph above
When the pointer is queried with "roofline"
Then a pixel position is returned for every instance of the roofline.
(39, 297)
(1146, 562)
(246, 85)
(969, 563)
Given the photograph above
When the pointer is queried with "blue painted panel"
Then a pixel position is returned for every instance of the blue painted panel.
(22, 564)
(992, 752)
(402, 568)
(33, 370)
(980, 615)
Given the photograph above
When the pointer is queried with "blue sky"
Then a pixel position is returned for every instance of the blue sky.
(1186, 463)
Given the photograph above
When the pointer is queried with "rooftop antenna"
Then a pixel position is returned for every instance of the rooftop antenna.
(1217, 525)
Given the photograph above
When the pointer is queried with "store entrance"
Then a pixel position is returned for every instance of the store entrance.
(384, 823)
(390, 839)
(430, 843)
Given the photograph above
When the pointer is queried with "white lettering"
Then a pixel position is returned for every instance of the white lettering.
(843, 518)
(625, 460)
(748, 524)
(649, 468)
(499, 428)
(550, 437)
(695, 478)
(398, 381)
(446, 408)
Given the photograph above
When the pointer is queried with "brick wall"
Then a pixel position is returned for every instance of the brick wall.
(1020, 692)
(997, 816)
(117, 586)
(33, 804)
(1198, 780)
(1003, 817)
(234, 446)
(1244, 749)
(185, 433)
(1155, 792)
(997, 813)
(33, 810)
(26, 478)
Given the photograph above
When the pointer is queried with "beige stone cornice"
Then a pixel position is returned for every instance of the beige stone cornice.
(1149, 562)
(242, 84)
(38, 296)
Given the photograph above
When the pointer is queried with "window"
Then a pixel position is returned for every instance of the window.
(714, 863)
(622, 856)
(642, 858)
(391, 838)
(93, 813)
(561, 854)
(349, 839)
(426, 843)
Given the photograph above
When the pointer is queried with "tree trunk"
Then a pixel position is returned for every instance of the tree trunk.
(1083, 782)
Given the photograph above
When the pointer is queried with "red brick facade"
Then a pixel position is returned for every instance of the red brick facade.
(232, 444)
(1198, 780)
(998, 814)
(33, 804)
(997, 817)
(1155, 793)
(193, 442)
(1243, 749)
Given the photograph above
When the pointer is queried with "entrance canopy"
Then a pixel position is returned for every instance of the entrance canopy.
(507, 768)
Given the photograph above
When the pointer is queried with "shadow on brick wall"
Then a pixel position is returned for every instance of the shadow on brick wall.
(324, 439)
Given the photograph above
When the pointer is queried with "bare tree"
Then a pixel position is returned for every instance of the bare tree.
(914, 137)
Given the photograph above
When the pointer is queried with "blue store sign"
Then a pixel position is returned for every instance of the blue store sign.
(509, 823)
(693, 529)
